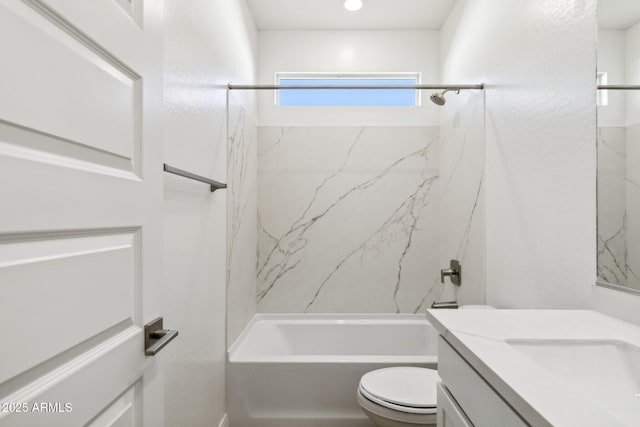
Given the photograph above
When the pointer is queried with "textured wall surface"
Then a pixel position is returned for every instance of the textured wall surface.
(206, 44)
(348, 218)
(461, 202)
(537, 59)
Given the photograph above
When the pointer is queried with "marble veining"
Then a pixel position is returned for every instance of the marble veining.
(612, 265)
(463, 248)
(405, 217)
(461, 199)
(347, 218)
(612, 204)
(239, 145)
(241, 212)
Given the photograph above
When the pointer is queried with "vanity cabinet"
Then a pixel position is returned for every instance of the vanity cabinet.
(464, 397)
(449, 413)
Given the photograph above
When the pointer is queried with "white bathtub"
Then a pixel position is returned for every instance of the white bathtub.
(303, 370)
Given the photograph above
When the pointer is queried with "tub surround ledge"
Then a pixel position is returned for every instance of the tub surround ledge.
(501, 345)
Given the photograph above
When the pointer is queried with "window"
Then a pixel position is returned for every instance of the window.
(348, 97)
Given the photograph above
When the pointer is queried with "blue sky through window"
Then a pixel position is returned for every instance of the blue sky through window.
(348, 97)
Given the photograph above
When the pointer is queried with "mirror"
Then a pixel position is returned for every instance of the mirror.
(618, 143)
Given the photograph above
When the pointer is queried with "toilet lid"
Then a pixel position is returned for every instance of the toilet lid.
(405, 386)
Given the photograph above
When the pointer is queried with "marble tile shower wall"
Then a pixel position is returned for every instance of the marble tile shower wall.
(462, 196)
(348, 218)
(242, 212)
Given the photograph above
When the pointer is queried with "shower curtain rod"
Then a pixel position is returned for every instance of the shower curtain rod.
(619, 87)
(277, 87)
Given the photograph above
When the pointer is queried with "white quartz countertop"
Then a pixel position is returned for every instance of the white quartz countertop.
(540, 397)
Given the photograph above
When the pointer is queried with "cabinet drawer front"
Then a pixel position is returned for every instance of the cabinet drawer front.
(483, 406)
(449, 413)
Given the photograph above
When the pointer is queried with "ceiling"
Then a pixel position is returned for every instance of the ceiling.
(331, 14)
(618, 14)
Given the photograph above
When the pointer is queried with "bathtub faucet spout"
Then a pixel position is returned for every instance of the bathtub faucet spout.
(445, 304)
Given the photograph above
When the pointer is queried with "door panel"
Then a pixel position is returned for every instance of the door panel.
(88, 382)
(72, 89)
(54, 275)
(120, 413)
(80, 211)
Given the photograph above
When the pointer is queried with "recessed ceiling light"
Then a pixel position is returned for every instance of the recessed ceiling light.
(352, 5)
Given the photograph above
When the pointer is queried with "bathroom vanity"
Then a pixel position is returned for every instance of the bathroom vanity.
(560, 368)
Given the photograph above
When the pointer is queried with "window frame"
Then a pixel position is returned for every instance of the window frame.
(312, 75)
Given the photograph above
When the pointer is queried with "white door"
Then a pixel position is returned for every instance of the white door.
(80, 211)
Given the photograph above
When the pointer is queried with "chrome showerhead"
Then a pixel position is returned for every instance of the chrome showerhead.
(439, 99)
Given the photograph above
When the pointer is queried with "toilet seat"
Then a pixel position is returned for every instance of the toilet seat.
(405, 389)
(404, 418)
(396, 407)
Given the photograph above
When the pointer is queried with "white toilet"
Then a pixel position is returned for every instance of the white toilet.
(400, 396)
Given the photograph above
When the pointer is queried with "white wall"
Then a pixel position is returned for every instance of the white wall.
(537, 59)
(611, 59)
(206, 44)
(617, 303)
(348, 51)
(618, 55)
(632, 73)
